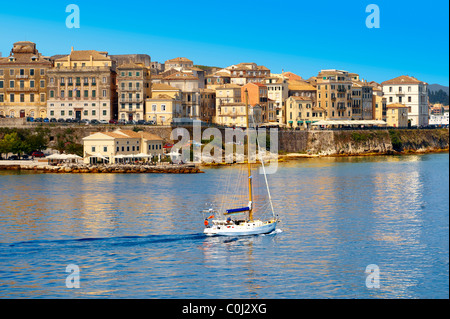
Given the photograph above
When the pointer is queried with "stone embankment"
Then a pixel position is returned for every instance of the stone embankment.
(113, 168)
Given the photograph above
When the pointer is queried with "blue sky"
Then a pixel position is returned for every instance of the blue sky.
(299, 36)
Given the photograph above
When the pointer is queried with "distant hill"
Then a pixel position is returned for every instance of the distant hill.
(438, 94)
(437, 87)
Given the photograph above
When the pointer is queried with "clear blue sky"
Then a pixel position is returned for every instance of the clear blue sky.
(299, 36)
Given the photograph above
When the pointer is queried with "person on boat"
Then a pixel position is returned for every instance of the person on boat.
(206, 223)
(229, 221)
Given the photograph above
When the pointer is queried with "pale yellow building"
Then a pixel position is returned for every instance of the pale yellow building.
(23, 82)
(301, 112)
(379, 105)
(234, 115)
(165, 105)
(133, 88)
(121, 145)
(334, 94)
(397, 115)
(82, 85)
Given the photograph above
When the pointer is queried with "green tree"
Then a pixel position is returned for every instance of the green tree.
(14, 144)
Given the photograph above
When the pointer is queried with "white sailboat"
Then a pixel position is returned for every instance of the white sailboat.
(229, 225)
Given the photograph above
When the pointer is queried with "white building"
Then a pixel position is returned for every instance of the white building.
(439, 119)
(277, 93)
(411, 92)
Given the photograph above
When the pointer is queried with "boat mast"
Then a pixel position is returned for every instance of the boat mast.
(249, 166)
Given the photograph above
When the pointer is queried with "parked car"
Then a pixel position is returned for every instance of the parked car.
(61, 121)
(84, 121)
(38, 154)
(69, 120)
(46, 120)
(141, 122)
(53, 120)
(30, 119)
(113, 122)
(122, 122)
(25, 157)
(104, 122)
(13, 158)
(95, 122)
(38, 120)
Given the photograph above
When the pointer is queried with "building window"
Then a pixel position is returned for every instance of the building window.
(11, 97)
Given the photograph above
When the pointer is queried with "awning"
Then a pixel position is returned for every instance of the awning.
(349, 122)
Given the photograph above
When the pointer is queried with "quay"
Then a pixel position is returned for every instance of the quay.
(100, 168)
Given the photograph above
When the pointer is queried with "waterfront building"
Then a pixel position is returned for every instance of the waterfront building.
(133, 88)
(217, 79)
(397, 115)
(257, 95)
(411, 92)
(244, 73)
(439, 115)
(82, 85)
(179, 64)
(208, 105)
(226, 95)
(334, 94)
(165, 104)
(23, 82)
(234, 114)
(277, 93)
(301, 112)
(189, 85)
(362, 99)
(121, 145)
(379, 107)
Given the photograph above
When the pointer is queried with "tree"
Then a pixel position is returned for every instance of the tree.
(12, 143)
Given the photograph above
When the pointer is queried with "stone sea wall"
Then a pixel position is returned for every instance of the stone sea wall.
(113, 168)
(362, 142)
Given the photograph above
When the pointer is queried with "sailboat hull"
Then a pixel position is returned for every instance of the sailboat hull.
(244, 229)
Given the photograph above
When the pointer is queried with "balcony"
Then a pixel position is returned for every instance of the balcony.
(21, 76)
(131, 100)
(341, 89)
(400, 93)
(130, 88)
(22, 89)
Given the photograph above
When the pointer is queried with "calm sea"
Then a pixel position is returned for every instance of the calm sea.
(140, 236)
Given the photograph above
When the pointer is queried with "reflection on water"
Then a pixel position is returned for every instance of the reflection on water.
(141, 235)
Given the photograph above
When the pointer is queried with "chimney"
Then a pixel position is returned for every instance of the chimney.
(71, 49)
